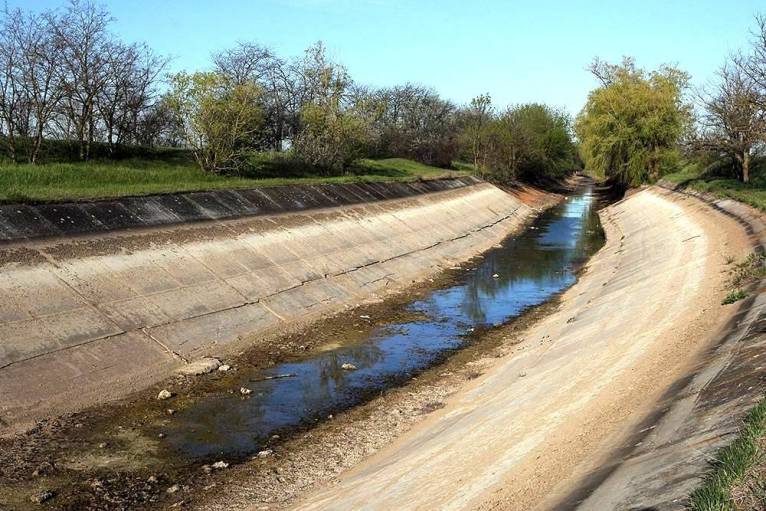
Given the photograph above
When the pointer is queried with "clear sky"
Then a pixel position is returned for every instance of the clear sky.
(517, 51)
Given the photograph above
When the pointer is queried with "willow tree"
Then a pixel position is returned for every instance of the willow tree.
(632, 122)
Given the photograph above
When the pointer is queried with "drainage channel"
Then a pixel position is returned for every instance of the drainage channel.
(523, 271)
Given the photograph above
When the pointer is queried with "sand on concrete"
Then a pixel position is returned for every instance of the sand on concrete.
(521, 435)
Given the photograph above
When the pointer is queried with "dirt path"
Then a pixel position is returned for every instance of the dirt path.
(519, 436)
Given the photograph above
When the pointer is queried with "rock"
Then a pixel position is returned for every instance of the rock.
(207, 469)
(170, 411)
(160, 435)
(495, 276)
(43, 496)
(173, 489)
(200, 366)
(224, 367)
(245, 391)
(164, 394)
(102, 445)
(348, 367)
(219, 465)
(364, 316)
(265, 453)
(152, 480)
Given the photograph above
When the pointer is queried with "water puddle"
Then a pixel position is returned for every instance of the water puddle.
(524, 271)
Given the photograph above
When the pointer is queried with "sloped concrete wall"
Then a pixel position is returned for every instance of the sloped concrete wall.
(26, 221)
(87, 319)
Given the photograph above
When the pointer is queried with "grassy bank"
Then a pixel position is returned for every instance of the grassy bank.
(695, 176)
(175, 172)
(738, 480)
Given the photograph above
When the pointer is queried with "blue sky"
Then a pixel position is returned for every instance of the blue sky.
(516, 51)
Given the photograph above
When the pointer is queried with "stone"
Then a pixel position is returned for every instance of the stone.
(164, 394)
(200, 366)
(102, 445)
(224, 367)
(43, 496)
(152, 480)
(173, 489)
(265, 453)
(495, 276)
(245, 391)
(160, 435)
(219, 465)
(348, 367)
(170, 411)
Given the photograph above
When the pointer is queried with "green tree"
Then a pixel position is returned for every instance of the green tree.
(476, 128)
(532, 142)
(217, 117)
(631, 124)
(333, 131)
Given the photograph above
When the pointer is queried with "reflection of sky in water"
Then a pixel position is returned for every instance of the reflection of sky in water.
(531, 268)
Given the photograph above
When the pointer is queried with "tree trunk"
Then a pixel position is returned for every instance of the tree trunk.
(746, 166)
(37, 144)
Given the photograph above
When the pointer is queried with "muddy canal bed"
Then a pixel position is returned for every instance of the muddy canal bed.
(307, 394)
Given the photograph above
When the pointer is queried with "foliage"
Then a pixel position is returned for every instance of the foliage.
(331, 134)
(631, 124)
(534, 142)
(717, 179)
(734, 296)
(217, 117)
(732, 463)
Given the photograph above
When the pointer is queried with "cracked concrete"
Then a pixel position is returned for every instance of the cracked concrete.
(90, 318)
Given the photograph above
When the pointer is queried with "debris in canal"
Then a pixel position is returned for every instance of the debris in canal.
(201, 366)
(275, 377)
(164, 394)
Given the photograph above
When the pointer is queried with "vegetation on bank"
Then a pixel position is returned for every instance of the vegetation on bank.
(720, 179)
(68, 80)
(175, 171)
(737, 479)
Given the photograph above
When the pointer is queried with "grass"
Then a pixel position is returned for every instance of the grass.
(741, 460)
(742, 274)
(734, 296)
(174, 171)
(708, 180)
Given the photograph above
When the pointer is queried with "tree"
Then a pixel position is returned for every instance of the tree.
(476, 123)
(734, 122)
(532, 142)
(83, 42)
(14, 100)
(331, 132)
(633, 121)
(216, 117)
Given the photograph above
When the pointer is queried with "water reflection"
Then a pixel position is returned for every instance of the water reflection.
(524, 271)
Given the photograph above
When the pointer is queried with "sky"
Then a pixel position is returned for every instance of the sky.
(516, 51)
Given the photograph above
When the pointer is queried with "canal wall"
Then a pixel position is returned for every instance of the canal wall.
(95, 308)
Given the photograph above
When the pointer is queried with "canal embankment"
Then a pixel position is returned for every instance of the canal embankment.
(95, 310)
(527, 432)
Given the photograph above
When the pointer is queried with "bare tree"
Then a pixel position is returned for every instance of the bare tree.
(13, 99)
(734, 120)
(129, 91)
(39, 71)
(84, 43)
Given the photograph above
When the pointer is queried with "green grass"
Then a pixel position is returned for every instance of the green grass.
(175, 172)
(752, 193)
(734, 296)
(732, 464)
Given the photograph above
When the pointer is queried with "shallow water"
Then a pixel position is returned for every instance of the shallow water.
(525, 270)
